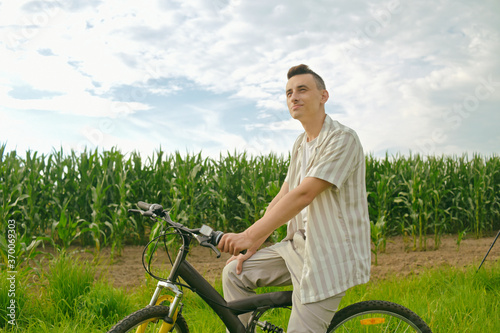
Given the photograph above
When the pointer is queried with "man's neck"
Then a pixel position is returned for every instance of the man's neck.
(313, 126)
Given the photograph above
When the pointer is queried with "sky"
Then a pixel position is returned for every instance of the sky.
(209, 76)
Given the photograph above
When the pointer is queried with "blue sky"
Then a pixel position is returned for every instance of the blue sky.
(209, 75)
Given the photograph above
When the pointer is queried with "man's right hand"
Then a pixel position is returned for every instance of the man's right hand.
(240, 259)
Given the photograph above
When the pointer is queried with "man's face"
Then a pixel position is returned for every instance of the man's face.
(303, 97)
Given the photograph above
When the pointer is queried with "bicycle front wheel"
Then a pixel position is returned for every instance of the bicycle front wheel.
(149, 319)
(377, 316)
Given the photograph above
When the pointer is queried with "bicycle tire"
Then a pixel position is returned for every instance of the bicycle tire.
(377, 316)
(149, 314)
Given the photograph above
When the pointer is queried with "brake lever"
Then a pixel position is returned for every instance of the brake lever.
(207, 244)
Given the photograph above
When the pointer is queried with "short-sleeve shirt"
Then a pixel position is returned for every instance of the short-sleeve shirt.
(337, 248)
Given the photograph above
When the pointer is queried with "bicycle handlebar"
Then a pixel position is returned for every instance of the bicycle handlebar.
(205, 235)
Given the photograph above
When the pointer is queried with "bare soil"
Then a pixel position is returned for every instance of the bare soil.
(400, 260)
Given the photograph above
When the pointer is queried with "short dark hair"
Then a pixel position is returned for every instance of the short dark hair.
(304, 69)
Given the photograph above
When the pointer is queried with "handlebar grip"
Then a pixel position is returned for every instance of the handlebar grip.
(217, 235)
(143, 205)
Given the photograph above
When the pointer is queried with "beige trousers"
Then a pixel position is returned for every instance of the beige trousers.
(280, 265)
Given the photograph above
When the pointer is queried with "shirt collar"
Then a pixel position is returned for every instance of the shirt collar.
(325, 129)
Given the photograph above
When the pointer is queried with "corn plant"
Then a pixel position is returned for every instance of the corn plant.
(35, 188)
(480, 195)
(83, 198)
(414, 197)
(437, 191)
(25, 250)
(381, 199)
(11, 191)
(66, 229)
(377, 236)
(119, 221)
(460, 237)
(493, 170)
(220, 192)
(189, 189)
(230, 180)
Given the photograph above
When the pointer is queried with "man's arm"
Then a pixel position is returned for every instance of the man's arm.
(281, 210)
(251, 251)
(283, 191)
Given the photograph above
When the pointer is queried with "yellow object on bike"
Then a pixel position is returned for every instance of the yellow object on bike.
(372, 321)
(165, 327)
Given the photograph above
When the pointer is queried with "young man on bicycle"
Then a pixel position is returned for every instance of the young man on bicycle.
(323, 200)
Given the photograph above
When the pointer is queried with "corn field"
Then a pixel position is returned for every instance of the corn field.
(427, 197)
(82, 199)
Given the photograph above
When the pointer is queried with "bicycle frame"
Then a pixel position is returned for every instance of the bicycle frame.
(227, 311)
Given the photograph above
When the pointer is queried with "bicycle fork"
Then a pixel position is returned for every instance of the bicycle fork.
(174, 308)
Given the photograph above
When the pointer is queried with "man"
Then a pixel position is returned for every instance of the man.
(323, 199)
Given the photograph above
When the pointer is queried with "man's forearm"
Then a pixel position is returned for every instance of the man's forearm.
(272, 204)
(278, 214)
(283, 191)
(286, 207)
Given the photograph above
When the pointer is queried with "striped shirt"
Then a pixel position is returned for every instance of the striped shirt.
(337, 249)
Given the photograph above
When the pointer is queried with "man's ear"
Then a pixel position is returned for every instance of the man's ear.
(324, 96)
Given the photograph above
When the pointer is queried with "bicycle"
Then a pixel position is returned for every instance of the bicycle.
(366, 316)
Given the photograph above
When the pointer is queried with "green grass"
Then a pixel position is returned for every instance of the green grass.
(448, 299)
(64, 298)
(67, 282)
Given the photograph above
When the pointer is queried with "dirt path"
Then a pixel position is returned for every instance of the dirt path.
(126, 271)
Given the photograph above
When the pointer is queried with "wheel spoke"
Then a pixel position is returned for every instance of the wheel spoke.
(346, 329)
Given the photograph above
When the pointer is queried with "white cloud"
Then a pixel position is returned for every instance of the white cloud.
(394, 68)
(76, 103)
